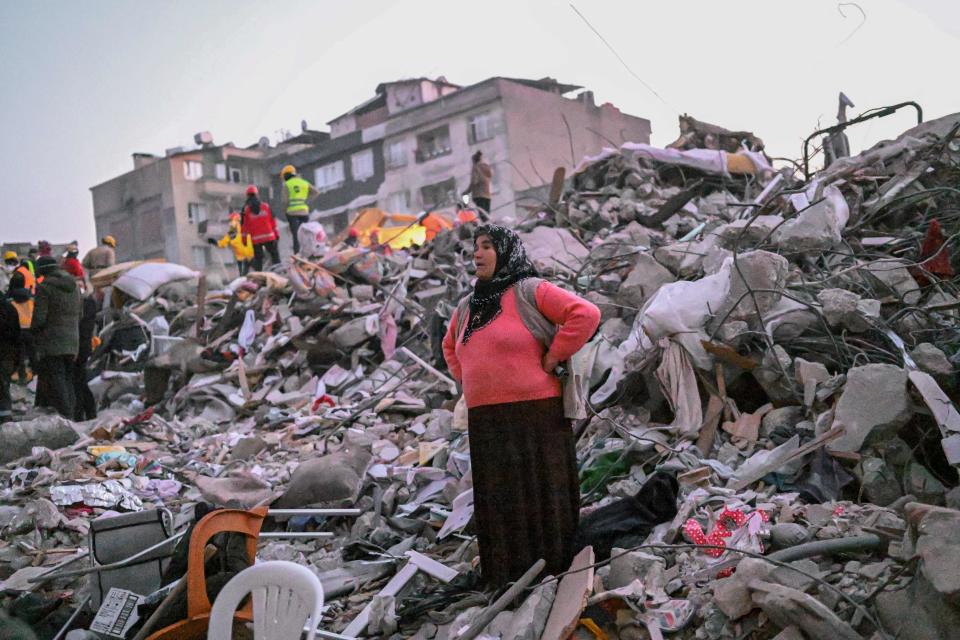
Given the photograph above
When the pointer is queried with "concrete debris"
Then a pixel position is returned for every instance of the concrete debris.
(873, 407)
(749, 383)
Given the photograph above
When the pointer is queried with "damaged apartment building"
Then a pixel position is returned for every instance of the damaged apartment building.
(407, 149)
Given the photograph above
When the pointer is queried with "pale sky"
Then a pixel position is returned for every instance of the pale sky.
(86, 83)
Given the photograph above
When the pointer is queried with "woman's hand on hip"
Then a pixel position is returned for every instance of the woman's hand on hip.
(549, 363)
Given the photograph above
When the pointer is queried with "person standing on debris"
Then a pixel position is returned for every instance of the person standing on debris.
(56, 336)
(238, 242)
(480, 178)
(85, 406)
(72, 265)
(10, 264)
(295, 197)
(101, 257)
(11, 353)
(526, 490)
(260, 228)
(22, 300)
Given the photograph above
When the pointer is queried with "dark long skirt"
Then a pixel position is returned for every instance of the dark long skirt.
(525, 486)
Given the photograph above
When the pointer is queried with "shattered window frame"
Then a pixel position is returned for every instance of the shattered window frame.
(235, 174)
(322, 175)
(395, 155)
(196, 212)
(445, 189)
(434, 143)
(361, 165)
(477, 122)
(192, 169)
(398, 202)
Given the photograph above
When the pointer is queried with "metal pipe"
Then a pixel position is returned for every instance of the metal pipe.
(314, 512)
(107, 567)
(487, 615)
(882, 112)
(297, 534)
(864, 542)
(73, 616)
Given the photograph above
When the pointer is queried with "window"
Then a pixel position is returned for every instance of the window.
(396, 154)
(221, 171)
(192, 170)
(433, 144)
(398, 202)
(329, 176)
(200, 257)
(196, 212)
(439, 195)
(480, 127)
(361, 165)
(235, 175)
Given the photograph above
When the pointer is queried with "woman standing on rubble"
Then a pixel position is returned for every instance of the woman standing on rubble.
(259, 226)
(526, 490)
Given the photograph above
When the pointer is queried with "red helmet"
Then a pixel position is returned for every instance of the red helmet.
(252, 190)
(354, 233)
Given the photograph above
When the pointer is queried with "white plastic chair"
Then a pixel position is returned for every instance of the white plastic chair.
(285, 595)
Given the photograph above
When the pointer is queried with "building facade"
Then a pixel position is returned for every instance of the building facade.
(168, 206)
(407, 149)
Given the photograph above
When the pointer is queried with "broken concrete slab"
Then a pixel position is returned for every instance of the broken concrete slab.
(19, 438)
(571, 598)
(931, 359)
(644, 280)
(874, 405)
(333, 478)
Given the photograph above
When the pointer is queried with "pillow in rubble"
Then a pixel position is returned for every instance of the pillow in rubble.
(334, 478)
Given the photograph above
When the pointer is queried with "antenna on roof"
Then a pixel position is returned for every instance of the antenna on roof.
(303, 126)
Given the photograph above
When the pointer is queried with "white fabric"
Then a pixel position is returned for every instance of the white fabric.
(285, 596)
(141, 281)
(248, 332)
(313, 239)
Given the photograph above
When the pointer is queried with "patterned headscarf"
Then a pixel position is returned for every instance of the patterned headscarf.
(512, 267)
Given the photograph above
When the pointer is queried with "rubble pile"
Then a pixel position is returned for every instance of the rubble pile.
(771, 450)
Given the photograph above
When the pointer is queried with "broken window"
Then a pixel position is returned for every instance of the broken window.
(398, 202)
(439, 195)
(196, 212)
(200, 257)
(192, 170)
(433, 144)
(235, 175)
(480, 127)
(396, 154)
(221, 171)
(329, 176)
(361, 165)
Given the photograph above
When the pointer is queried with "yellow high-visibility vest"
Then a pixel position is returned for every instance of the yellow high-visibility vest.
(297, 191)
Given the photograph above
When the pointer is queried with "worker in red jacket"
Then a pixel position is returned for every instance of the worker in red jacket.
(261, 228)
(71, 264)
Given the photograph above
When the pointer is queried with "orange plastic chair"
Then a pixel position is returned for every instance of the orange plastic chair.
(198, 604)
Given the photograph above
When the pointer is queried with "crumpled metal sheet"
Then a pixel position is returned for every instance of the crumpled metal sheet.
(110, 493)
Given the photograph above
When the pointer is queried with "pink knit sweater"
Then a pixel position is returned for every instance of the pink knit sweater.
(502, 362)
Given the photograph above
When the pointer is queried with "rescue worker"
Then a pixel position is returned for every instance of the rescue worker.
(56, 336)
(101, 257)
(27, 270)
(240, 244)
(481, 176)
(10, 264)
(71, 264)
(11, 353)
(295, 197)
(86, 405)
(260, 228)
(44, 249)
(22, 300)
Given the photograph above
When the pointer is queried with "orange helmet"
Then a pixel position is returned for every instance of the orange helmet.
(234, 216)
